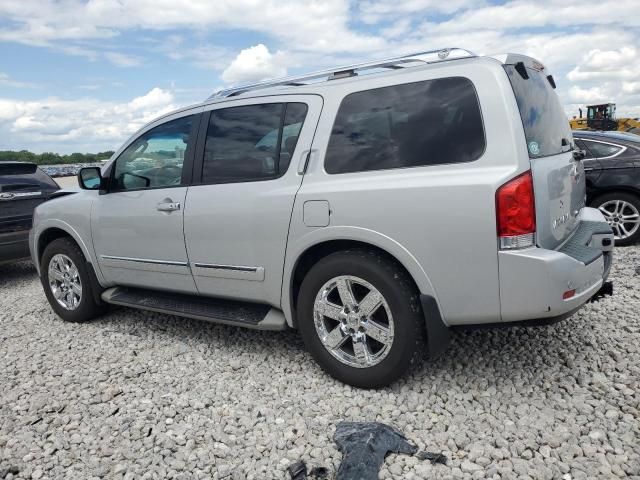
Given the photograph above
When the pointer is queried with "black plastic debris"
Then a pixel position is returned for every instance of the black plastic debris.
(298, 471)
(432, 457)
(364, 446)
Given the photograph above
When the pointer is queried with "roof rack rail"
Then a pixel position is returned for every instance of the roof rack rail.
(430, 56)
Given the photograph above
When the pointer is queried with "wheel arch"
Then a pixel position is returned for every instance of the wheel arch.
(53, 229)
(322, 242)
(48, 236)
(613, 189)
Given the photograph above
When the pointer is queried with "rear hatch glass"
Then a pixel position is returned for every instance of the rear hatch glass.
(558, 180)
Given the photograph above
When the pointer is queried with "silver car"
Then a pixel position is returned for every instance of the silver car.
(373, 207)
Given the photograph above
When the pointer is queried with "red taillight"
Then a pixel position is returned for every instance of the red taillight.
(515, 207)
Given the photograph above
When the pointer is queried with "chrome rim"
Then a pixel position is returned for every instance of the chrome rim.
(353, 321)
(623, 217)
(64, 281)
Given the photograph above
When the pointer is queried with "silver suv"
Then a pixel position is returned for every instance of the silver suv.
(373, 207)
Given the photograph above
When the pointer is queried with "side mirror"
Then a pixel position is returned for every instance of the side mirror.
(579, 155)
(89, 178)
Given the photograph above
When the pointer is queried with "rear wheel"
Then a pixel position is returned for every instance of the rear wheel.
(622, 211)
(359, 316)
(66, 282)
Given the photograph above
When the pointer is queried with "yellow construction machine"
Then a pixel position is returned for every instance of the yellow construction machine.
(603, 117)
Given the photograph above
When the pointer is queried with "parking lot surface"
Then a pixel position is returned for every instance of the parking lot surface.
(143, 395)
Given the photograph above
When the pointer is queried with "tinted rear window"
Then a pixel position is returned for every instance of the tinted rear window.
(602, 149)
(424, 123)
(251, 142)
(544, 120)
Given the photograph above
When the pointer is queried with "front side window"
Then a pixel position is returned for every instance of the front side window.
(155, 159)
(417, 124)
(252, 142)
(602, 150)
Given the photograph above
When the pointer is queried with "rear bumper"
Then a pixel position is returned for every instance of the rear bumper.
(14, 246)
(534, 280)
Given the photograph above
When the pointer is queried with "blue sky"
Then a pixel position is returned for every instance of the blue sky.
(84, 75)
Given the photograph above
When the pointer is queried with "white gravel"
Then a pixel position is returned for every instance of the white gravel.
(144, 395)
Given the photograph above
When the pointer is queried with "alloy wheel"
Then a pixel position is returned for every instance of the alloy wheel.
(64, 281)
(353, 321)
(623, 217)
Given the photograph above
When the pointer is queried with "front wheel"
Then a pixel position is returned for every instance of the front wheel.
(622, 212)
(360, 318)
(66, 282)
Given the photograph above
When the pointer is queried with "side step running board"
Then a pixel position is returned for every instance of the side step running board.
(229, 312)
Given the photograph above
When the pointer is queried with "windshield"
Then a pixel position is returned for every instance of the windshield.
(545, 123)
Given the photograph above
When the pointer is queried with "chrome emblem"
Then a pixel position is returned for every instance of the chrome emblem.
(6, 196)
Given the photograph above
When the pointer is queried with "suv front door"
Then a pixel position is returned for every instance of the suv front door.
(246, 176)
(137, 226)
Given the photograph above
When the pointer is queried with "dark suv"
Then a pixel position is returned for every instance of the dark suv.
(612, 165)
(23, 186)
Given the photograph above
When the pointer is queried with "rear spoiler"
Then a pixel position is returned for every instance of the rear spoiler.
(521, 63)
(17, 168)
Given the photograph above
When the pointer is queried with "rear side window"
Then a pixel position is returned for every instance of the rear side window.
(582, 146)
(252, 142)
(601, 150)
(417, 124)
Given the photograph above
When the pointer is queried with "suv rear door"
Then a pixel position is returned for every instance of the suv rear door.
(559, 180)
(246, 178)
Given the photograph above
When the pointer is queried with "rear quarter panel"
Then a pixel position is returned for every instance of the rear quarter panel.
(439, 221)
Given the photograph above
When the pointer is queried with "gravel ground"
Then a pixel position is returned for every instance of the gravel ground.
(143, 395)
(65, 182)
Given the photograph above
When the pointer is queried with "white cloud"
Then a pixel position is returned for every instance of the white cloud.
(122, 60)
(620, 64)
(253, 64)
(528, 14)
(7, 81)
(631, 87)
(374, 11)
(311, 25)
(87, 124)
(582, 96)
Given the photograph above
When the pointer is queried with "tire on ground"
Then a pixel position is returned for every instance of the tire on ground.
(88, 308)
(391, 280)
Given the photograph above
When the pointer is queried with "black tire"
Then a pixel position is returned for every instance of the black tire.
(628, 198)
(408, 345)
(87, 307)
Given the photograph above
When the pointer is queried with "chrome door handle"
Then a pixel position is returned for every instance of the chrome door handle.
(168, 206)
